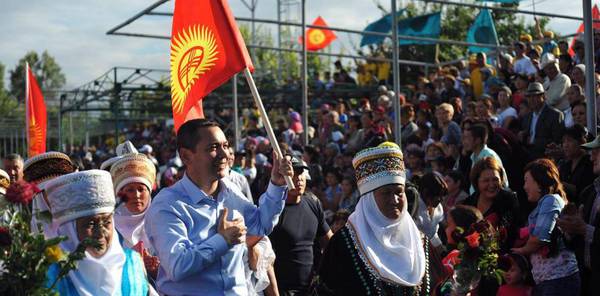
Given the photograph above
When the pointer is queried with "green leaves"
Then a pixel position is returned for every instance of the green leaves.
(26, 260)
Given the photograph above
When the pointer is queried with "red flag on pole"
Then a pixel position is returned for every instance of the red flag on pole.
(35, 115)
(595, 16)
(318, 38)
(206, 50)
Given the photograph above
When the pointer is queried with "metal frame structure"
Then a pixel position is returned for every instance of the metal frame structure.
(116, 91)
(394, 36)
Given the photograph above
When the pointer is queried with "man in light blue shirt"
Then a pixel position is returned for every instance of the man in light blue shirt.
(474, 139)
(198, 226)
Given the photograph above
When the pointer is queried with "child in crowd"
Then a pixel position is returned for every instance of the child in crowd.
(518, 280)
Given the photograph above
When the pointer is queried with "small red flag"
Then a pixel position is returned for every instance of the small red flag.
(206, 50)
(35, 115)
(318, 38)
(595, 16)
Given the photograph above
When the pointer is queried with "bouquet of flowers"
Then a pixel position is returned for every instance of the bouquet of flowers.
(476, 256)
(25, 257)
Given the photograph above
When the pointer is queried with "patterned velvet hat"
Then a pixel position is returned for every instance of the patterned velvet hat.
(46, 166)
(133, 168)
(79, 195)
(379, 166)
(4, 181)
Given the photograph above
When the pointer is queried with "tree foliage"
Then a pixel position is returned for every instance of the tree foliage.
(7, 103)
(45, 68)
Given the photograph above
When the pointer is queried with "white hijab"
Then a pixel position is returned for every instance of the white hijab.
(394, 248)
(95, 276)
(131, 226)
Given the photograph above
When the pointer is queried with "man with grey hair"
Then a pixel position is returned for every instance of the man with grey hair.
(13, 165)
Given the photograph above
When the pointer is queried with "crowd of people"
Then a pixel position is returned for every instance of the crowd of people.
(502, 145)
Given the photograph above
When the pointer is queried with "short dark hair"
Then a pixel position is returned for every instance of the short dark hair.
(465, 216)
(565, 57)
(407, 108)
(13, 156)
(457, 176)
(432, 184)
(188, 135)
(479, 131)
(577, 132)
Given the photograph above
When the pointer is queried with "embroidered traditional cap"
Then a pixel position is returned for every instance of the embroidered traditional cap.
(79, 195)
(379, 166)
(47, 166)
(133, 168)
(122, 149)
(4, 181)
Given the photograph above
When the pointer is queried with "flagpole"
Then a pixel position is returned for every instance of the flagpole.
(236, 111)
(27, 105)
(304, 73)
(590, 80)
(396, 78)
(266, 122)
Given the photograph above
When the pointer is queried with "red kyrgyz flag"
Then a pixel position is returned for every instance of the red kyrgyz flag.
(206, 50)
(595, 16)
(318, 38)
(35, 115)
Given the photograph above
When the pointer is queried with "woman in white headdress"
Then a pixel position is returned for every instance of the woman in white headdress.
(134, 178)
(82, 206)
(380, 251)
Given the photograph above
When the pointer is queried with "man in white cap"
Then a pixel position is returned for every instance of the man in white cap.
(124, 148)
(556, 84)
(198, 225)
(147, 150)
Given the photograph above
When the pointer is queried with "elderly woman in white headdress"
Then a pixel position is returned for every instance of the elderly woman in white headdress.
(39, 170)
(380, 251)
(133, 177)
(82, 206)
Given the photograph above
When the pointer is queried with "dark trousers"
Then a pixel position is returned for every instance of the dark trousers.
(589, 282)
(570, 285)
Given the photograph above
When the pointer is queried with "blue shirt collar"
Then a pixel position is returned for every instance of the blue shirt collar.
(196, 194)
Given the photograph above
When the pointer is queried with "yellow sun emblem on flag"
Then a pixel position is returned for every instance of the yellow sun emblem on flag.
(35, 137)
(193, 53)
(316, 36)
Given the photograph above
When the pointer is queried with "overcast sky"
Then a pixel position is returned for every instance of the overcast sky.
(74, 31)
